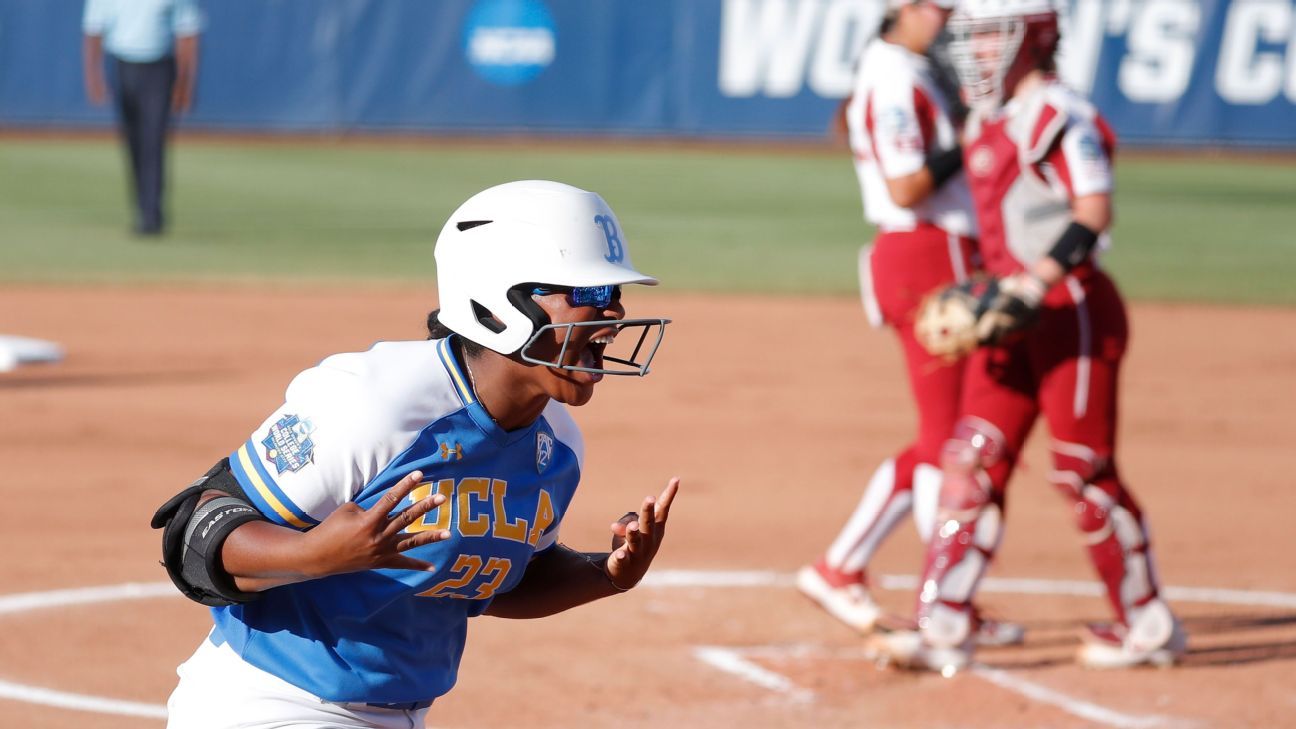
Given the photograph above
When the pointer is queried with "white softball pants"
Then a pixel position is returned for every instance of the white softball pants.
(219, 690)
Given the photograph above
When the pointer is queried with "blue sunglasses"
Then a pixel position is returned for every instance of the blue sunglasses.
(600, 297)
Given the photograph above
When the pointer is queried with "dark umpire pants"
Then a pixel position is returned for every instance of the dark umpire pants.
(143, 95)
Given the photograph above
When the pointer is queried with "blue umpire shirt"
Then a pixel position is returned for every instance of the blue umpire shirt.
(141, 31)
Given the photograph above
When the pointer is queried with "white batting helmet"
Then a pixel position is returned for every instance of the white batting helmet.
(510, 237)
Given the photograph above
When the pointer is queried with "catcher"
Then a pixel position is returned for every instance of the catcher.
(1049, 333)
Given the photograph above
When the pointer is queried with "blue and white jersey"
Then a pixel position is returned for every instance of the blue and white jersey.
(350, 428)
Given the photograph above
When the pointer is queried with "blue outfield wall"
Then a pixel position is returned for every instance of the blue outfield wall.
(1164, 71)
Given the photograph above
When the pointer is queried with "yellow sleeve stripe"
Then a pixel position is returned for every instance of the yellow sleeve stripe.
(263, 490)
(447, 358)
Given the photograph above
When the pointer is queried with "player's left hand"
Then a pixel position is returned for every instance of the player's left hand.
(637, 538)
(1014, 308)
(182, 97)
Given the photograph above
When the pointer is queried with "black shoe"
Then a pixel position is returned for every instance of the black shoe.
(148, 231)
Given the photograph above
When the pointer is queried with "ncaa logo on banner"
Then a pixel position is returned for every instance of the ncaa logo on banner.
(509, 42)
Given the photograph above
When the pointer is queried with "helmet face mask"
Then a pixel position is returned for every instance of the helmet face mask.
(505, 241)
(630, 359)
(983, 51)
(997, 43)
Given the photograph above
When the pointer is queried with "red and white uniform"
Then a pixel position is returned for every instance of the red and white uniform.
(1026, 163)
(897, 117)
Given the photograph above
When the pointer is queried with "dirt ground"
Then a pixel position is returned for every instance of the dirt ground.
(773, 411)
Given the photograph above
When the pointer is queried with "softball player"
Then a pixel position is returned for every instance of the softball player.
(909, 163)
(1039, 162)
(400, 491)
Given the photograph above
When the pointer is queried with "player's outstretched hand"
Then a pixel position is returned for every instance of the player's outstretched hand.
(353, 539)
(637, 539)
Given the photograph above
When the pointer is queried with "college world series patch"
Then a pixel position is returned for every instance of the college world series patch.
(288, 444)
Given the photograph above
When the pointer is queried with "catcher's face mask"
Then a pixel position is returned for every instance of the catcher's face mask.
(997, 42)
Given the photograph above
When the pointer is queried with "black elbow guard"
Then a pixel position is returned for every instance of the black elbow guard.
(944, 165)
(1074, 246)
(193, 533)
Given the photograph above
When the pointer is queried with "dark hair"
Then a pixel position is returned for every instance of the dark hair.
(437, 330)
(888, 22)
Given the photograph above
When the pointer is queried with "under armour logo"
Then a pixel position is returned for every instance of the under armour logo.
(457, 451)
(616, 249)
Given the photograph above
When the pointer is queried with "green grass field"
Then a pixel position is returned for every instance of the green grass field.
(701, 219)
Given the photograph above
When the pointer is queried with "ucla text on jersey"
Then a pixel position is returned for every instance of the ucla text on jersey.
(349, 429)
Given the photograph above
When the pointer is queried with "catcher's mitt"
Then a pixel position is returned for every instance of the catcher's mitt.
(1013, 309)
(946, 325)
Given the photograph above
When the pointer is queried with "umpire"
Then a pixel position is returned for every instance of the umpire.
(153, 49)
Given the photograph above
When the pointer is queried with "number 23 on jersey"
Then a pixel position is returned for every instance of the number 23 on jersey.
(480, 504)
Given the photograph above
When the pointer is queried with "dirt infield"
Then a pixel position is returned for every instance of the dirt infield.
(773, 411)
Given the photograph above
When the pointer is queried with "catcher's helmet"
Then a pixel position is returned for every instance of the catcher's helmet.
(943, 4)
(997, 42)
(508, 239)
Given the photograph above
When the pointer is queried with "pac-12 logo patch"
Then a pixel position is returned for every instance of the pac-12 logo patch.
(288, 443)
(544, 451)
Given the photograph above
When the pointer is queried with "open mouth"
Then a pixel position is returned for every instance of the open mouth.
(591, 355)
(585, 358)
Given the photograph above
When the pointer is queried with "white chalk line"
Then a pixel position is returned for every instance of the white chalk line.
(1071, 705)
(735, 661)
(1007, 585)
(25, 602)
(79, 702)
(732, 661)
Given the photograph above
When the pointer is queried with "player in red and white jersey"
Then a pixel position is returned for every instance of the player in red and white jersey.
(902, 131)
(1039, 163)
(909, 162)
